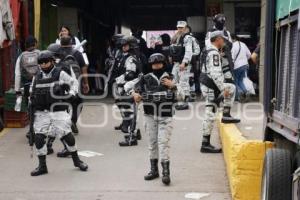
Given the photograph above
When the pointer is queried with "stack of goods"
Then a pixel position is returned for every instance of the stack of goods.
(13, 119)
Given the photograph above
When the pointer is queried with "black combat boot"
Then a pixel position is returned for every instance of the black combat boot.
(207, 147)
(227, 118)
(125, 126)
(130, 140)
(78, 163)
(166, 172)
(42, 168)
(74, 128)
(119, 127)
(153, 174)
(49, 145)
(184, 106)
(65, 152)
(138, 135)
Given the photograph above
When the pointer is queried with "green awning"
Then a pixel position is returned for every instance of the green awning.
(284, 7)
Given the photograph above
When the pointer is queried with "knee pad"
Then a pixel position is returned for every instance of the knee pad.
(39, 140)
(69, 139)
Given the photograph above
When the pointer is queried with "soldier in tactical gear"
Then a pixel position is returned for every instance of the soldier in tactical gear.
(54, 48)
(114, 66)
(112, 63)
(181, 54)
(129, 70)
(159, 93)
(71, 58)
(164, 48)
(26, 68)
(214, 89)
(51, 90)
(227, 63)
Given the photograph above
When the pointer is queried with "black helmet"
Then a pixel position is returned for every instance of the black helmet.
(45, 56)
(54, 48)
(219, 21)
(157, 58)
(116, 39)
(132, 41)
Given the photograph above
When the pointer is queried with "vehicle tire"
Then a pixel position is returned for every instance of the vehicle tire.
(277, 175)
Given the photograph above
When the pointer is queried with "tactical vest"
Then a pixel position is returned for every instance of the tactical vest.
(158, 99)
(121, 66)
(204, 77)
(177, 51)
(154, 91)
(123, 70)
(29, 65)
(43, 88)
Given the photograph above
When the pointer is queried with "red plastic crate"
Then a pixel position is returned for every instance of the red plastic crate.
(12, 115)
(15, 123)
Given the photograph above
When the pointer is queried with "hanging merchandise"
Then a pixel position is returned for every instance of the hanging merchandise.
(7, 30)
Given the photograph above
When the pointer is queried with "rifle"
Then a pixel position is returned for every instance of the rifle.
(110, 71)
(31, 109)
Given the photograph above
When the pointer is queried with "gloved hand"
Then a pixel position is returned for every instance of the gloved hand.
(57, 89)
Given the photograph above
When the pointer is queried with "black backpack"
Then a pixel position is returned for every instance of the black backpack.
(72, 63)
(203, 56)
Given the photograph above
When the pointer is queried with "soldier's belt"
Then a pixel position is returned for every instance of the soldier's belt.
(157, 97)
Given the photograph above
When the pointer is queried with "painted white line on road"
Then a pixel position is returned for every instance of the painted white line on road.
(195, 195)
(248, 128)
(89, 154)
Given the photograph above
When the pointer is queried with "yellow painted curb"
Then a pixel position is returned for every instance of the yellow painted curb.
(3, 132)
(244, 160)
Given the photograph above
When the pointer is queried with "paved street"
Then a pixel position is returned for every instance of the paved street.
(118, 173)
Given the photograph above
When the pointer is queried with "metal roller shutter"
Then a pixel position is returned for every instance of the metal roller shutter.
(283, 68)
(292, 68)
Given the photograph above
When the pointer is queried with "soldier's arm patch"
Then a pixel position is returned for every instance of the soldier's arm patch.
(216, 60)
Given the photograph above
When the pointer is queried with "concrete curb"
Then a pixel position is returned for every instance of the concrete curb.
(244, 162)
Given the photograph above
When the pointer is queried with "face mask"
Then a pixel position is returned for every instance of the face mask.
(220, 26)
(48, 70)
(159, 72)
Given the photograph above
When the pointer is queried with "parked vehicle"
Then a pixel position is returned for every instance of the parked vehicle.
(281, 173)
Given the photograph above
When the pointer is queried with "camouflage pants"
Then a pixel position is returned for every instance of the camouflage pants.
(183, 77)
(52, 124)
(159, 130)
(210, 107)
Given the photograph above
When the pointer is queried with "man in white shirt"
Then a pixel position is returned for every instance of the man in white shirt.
(240, 56)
